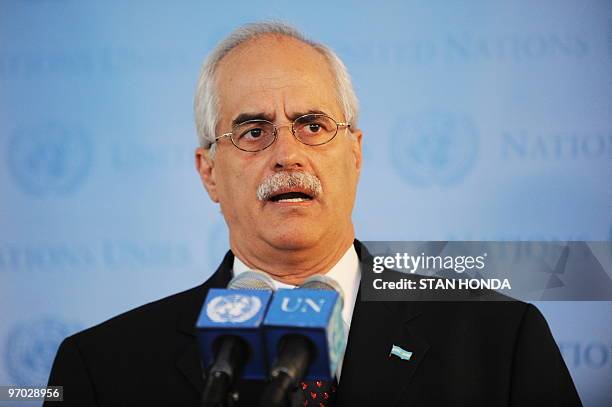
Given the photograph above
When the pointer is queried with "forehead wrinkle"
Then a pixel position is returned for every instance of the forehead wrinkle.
(289, 106)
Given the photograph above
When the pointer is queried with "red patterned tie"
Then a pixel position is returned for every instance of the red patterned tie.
(319, 393)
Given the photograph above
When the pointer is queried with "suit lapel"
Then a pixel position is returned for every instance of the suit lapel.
(370, 375)
(188, 359)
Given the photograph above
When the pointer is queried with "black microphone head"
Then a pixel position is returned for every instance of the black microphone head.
(251, 280)
(321, 282)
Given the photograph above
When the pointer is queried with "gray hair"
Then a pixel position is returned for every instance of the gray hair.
(206, 102)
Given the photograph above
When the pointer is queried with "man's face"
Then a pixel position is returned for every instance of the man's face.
(278, 79)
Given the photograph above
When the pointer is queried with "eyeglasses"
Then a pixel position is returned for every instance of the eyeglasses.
(312, 129)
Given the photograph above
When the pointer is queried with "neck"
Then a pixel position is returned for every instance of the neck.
(293, 265)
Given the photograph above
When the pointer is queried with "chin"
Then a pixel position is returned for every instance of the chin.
(294, 238)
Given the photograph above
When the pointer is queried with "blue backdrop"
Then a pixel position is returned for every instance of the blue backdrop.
(482, 121)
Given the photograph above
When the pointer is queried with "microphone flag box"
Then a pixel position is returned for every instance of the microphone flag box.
(315, 314)
(234, 313)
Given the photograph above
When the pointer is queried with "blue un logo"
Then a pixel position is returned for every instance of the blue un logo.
(49, 159)
(434, 148)
(235, 308)
(31, 348)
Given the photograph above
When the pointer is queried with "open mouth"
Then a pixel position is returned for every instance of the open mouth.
(291, 197)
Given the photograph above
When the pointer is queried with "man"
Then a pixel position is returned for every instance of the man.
(281, 154)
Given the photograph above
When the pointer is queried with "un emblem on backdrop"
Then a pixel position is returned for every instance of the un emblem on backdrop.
(434, 148)
(31, 347)
(234, 308)
(49, 158)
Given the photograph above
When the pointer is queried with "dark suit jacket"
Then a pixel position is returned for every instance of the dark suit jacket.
(464, 354)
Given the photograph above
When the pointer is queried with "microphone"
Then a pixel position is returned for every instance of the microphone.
(304, 335)
(229, 334)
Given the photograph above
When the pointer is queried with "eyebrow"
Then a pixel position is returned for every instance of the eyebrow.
(243, 117)
(311, 111)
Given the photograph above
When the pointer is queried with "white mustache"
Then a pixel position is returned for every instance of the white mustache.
(284, 180)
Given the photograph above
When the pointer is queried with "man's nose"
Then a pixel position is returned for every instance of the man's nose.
(288, 152)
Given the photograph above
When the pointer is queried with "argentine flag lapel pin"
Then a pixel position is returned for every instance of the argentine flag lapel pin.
(400, 353)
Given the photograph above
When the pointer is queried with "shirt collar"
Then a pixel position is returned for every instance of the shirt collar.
(346, 273)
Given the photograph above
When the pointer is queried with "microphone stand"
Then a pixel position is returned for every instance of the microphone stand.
(228, 363)
(294, 356)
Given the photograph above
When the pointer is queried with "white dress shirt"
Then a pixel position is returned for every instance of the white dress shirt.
(346, 272)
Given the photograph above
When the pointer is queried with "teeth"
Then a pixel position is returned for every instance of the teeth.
(293, 200)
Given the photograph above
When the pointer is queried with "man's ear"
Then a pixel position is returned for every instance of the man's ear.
(205, 167)
(357, 135)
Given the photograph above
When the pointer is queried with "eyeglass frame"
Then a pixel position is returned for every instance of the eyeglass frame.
(277, 127)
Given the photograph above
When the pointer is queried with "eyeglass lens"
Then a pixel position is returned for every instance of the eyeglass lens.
(312, 129)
